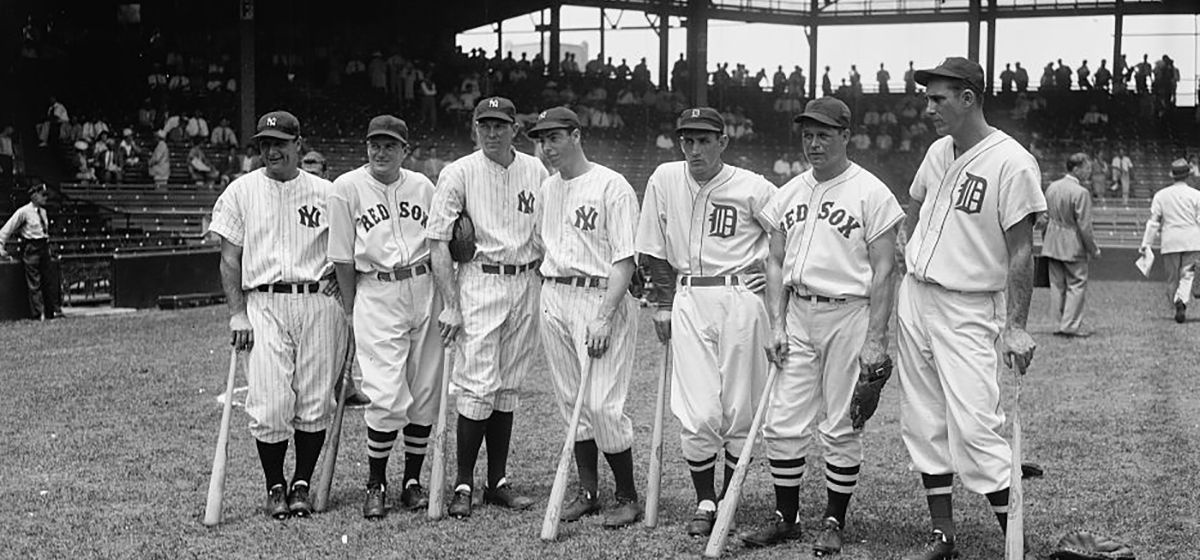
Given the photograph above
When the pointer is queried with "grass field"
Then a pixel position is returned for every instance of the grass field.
(110, 423)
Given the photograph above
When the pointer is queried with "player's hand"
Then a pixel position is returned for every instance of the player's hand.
(599, 332)
(777, 347)
(662, 325)
(243, 333)
(873, 353)
(449, 324)
(331, 288)
(755, 281)
(1018, 348)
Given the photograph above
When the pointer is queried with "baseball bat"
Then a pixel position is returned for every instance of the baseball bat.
(334, 440)
(1014, 542)
(559, 490)
(437, 475)
(216, 484)
(733, 494)
(654, 480)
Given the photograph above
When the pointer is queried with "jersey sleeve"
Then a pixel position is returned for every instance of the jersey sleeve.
(447, 204)
(1021, 193)
(920, 185)
(651, 232)
(341, 221)
(881, 211)
(772, 213)
(763, 194)
(227, 217)
(622, 215)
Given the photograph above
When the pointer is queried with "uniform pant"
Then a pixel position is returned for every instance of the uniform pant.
(950, 413)
(299, 345)
(566, 312)
(43, 292)
(1181, 270)
(399, 350)
(817, 382)
(499, 339)
(1068, 288)
(719, 367)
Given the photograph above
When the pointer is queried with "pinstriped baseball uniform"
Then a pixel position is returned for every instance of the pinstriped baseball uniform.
(588, 224)
(717, 333)
(499, 337)
(827, 227)
(299, 338)
(951, 306)
(381, 229)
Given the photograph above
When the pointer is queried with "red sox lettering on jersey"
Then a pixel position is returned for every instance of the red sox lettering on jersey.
(388, 229)
(835, 216)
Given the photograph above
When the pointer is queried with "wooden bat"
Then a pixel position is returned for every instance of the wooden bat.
(216, 484)
(437, 475)
(334, 440)
(654, 480)
(559, 490)
(1014, 542)
(733, 494)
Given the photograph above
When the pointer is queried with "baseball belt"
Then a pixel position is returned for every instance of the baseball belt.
(580, 281)
(304, 288)
(403, 273)
(510, 269)
(709, 281)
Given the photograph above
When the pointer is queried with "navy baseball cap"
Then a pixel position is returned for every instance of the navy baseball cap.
(387, 125)
(829, 111)
(278, 124)
(704, 119)
(555, 118)
(496, 108)
(955, 68)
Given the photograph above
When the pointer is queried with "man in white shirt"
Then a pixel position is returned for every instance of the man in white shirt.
(1122, 169)
(1175, 211)
(32, 225)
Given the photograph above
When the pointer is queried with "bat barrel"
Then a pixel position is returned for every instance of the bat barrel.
(559, 490)
(216, 483)
(437, 476)
(654, 480)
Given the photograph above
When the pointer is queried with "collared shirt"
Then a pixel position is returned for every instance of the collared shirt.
(502, 202)
(1175, 211)
(29, 222)
(379, 227)
(1069, 221)
(587, 223)
(281, 226)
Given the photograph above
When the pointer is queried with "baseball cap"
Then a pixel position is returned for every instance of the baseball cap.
(278, 124)
(557, 117)
(954, 67)
(826, 110)
(705, 119)
(387, 125)
(127, 132)
(36, 188)
(1180, 169)
(496, 108)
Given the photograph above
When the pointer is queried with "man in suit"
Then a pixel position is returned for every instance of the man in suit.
(1068, 244)
(1175, 211)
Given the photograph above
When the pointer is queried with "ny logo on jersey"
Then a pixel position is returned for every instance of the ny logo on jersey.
(585, 218)
(722, 221)
(310, 216)
(525, 202)
(970, 194)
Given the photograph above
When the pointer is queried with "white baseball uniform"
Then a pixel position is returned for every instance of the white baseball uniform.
(952, 306)
(381, 230)
(498, 290)
(300, 335)
(827, 227)
(710, 234)
(588, 223)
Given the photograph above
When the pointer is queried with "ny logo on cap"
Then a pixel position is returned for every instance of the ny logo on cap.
(493, 102)
(270, 121)
(695, 113)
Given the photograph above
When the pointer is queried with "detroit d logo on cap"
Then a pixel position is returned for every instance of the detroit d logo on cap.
(970, 194)
(695, 113)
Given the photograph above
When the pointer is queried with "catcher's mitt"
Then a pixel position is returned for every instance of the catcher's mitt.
(867, 390)
(1082, 545)
(462, 240)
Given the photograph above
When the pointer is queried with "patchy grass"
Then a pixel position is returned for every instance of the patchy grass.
(110, 423)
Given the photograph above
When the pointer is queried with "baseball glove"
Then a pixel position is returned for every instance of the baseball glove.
(637, 283)
(867, 390)
(462, 240)
(1082, 545)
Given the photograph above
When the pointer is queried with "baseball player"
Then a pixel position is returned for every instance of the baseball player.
(273, 226)
(491, 300)
(830, 297)
(701, 221)
(589, 217)
(965, 298)
(377, 216)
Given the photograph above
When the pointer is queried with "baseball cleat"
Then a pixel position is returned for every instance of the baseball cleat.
(829, 541)
(584, 503)
(297, 500)
(277, 505)
(460, 504)
(701, 524)
(1180, 311)
(375, 505)
(414, 497)
(626, 513)
(777, 531)
(939, 547)
(504, 496)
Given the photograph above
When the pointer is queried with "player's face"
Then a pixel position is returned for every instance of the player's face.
(825, 146)
(495, 136)
(702, 150)
(385, 154)
(280, 157)
(560, 146)
(945, 106)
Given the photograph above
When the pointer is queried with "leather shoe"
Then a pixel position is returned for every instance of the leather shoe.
(829, 541)
(460, 504)
(1073, 334)
(413, 497)
(939, 547)
(298, 501)
(277, 505)
(375, 506)
(777, 531)
(583, 504)
(504, 496)
(1180, 311)
(626, 513)
(701, 524)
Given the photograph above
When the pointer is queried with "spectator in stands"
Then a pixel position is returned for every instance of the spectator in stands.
(1100, 173)
(782, 169)
(1084, 75)
(249, 160)
(779, 81)
(1063, 76)
(202, 171)
(883, 141)
(826, 85)
(56, 117)
(882, 76)
(797, 85)
(1122, 170)
(197, 127)
(70, 132)
(7, 156)
(80, 163)
(871, 118)
(313, 162)
(157, 79)
(377, 71)
(104, 160)
(433, 165)
(679, 74)
(664, 142)
(428, 101)
(1021, 78)
(129, 154)
(1103, 76)
(92, 129)
(222, 136)
(861, 140)
(855, 81)
(1142, 74)
(171, 128)
(160, 161)
(147, 115)
(1094, 120)
(1194, 163)
(1068, 245)
(1048, 80)
(1006, 78)
(623, 71)
(178, 82)
(1121, 73)
(32, 225)
(1175, 212)
(910, 81)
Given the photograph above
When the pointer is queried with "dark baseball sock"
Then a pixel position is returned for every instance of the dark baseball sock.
(416, 441)
(379, 449)
(999, 501)
(703, 475)
(271, 455)
(839, 488)
(499, 434)
(938, 489)
(587, 459)
(470, 438)
(308, 450)
(787, 474)
(622, 468)
(730, 466)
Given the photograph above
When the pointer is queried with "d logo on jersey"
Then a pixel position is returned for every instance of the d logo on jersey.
(310, 216)
(585, 218)
(970, 194)
(722, 221)
(525, 202)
